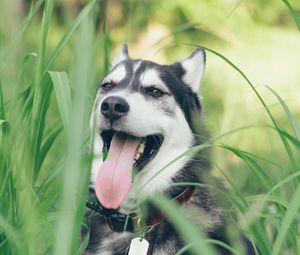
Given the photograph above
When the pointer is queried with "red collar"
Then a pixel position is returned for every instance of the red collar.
(121, 222)
(157, 217)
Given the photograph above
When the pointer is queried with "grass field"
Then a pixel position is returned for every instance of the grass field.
(52, 56)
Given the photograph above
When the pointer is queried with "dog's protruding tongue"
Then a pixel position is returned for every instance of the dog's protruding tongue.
(114, 177)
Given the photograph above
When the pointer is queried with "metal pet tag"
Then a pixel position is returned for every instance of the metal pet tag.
(138, 246)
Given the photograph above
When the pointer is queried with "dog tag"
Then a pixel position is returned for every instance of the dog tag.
(138, 246)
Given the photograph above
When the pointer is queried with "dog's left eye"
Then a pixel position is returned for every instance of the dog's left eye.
(107, 85)
(154, 92)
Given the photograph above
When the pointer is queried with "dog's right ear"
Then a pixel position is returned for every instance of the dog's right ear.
(193, 67)
(123, 55)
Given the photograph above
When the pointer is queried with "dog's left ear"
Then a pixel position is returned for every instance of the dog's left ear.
(123, 55)
(193, 67)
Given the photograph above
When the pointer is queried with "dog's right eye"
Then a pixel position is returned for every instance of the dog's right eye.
(107, 85)
(154, 92)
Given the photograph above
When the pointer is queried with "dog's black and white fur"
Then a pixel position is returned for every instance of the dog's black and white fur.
(161, 99)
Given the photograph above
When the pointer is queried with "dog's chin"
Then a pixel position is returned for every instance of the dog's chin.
(147, 149)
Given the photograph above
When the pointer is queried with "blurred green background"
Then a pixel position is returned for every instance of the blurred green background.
(260, 37)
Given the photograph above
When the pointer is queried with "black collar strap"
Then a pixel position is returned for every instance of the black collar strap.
(122, 222)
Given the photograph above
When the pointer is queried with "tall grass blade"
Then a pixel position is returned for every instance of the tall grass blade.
(187, 247)
(106, 48)
(12, 233)
(253, 165)
(267, 198)
(48, 142)
(234, 9)
(293, 12)
(24, 68)
(50, 180)
(38, 116)
(292, 139)
(63, 95)
(188, 153)
(66, 37)
(76, 170)
(289, 114)
(287, 221)
(2, 121)
(284, 141)
(38, 129)
(43, 40)
(284, 181)
(2, 107)
(184, 226)
(18, 35)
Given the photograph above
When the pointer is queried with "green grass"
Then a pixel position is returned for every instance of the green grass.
(44, 134)
(42, 214)
(293, 13)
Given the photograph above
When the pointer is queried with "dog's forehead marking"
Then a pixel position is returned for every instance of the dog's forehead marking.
(117, 74)
(151, 77)
(136, 66)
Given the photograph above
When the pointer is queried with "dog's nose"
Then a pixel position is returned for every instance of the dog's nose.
(114, 108)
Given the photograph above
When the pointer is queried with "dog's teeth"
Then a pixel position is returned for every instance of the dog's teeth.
(141, 148)
(137, 156)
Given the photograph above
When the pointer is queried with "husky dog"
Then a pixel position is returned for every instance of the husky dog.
(146, 115)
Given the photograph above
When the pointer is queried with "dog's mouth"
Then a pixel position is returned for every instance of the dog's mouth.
(122, 153)
(147, 149)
